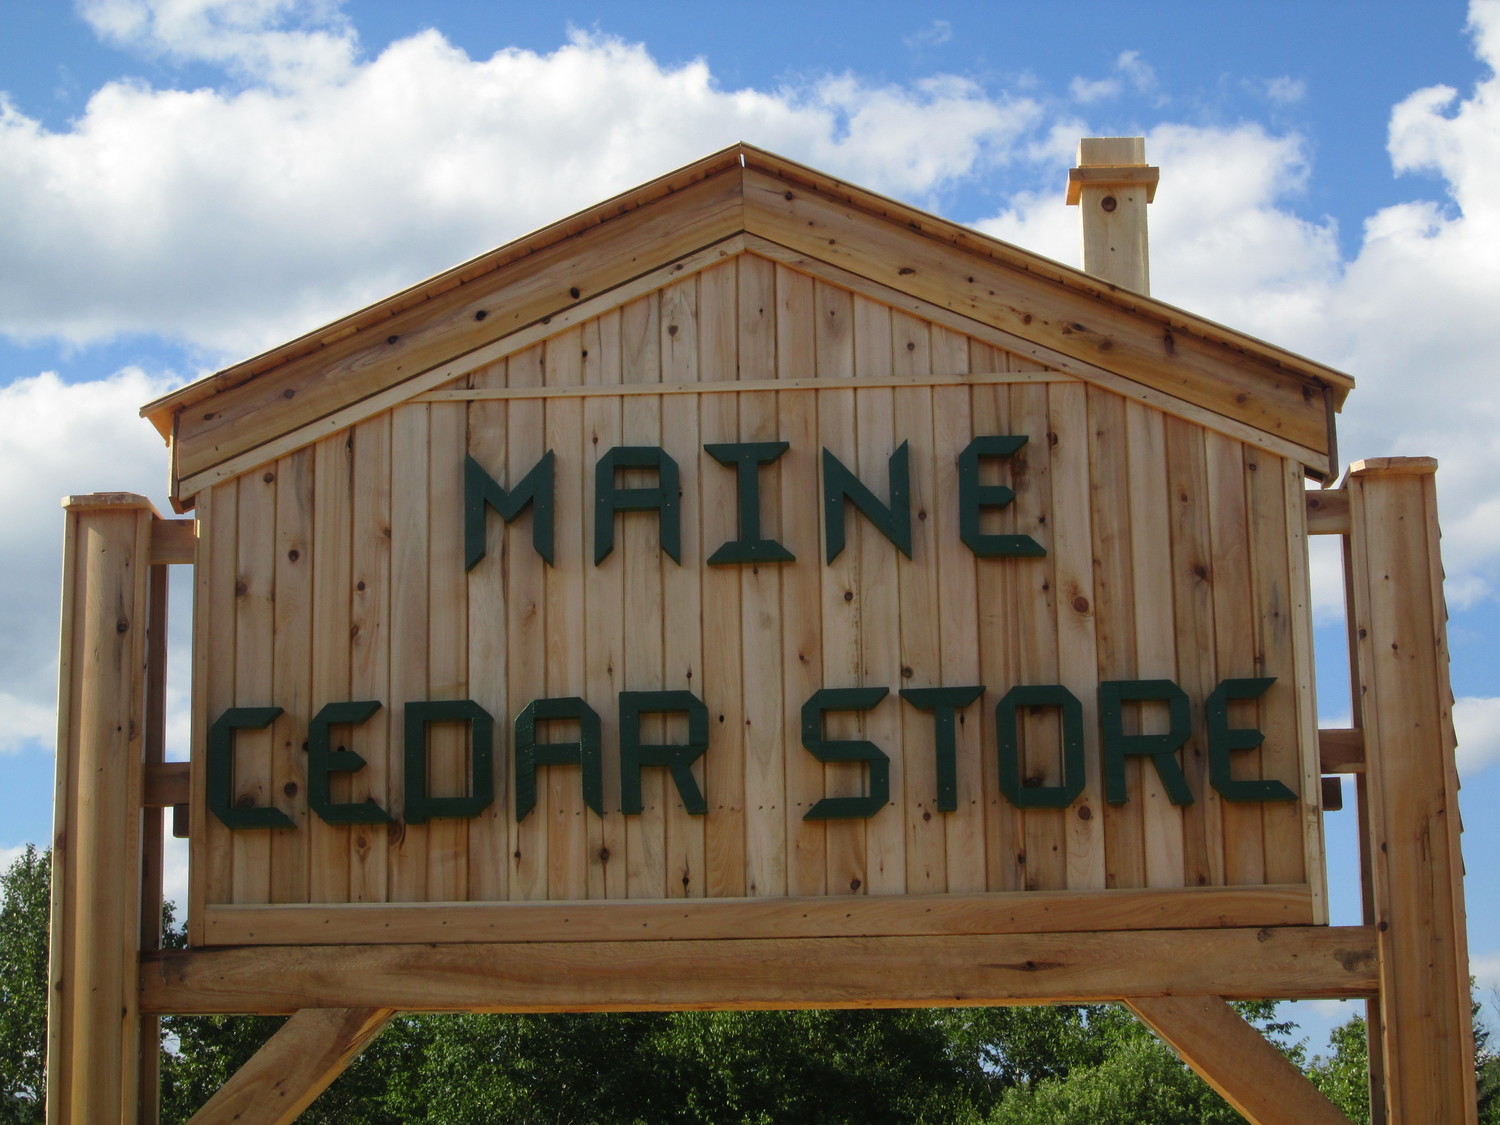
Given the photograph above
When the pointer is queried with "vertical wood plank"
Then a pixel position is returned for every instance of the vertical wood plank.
(802, 633)
(568, 817)
(410, 460)
(639, 537)
(488, 651)
(1155, 627)
(1234, 648)
(762, 704)
(723, 765)
(1077, 607)
(682, 648)
(1046, 837)
(920, 663)
(254, 640)
(952, 425)
(526, 633)
(998, 585)
(843, 582)
(1114, 617)
(370, 654)
(879, 593)
(332, 567)
(1192, 593)
(604, 659)
(291, 673)
(449, 745)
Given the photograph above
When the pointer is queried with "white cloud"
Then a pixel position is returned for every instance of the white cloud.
(286, 43)
(1090, 90)
(934, 34)
(58, 440)
(1284, 90)
(1130, 71)
(1485, 969)
(236, 219)
(1477, 723)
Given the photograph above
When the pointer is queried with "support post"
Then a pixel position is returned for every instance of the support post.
(1237, 1060)
(1111, 186)
(94, 1037)
(1421, 1030)
(294, 1066)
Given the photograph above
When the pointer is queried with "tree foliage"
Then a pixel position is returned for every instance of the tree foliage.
(25, 918)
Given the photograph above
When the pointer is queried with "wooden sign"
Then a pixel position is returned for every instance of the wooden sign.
(752, 587)
(753, 592)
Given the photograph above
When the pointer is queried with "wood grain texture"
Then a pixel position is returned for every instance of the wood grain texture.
(1161, 538)
(1294, 962)
(689, 920)
(294, 1066)
(1405, 701)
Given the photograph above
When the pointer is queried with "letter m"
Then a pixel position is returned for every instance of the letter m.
(482, 490)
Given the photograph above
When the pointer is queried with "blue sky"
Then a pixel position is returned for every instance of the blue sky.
(186, 182)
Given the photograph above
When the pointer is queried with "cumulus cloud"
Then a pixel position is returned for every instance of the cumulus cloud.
(234, 219)
(58, 440)
(1477, 722)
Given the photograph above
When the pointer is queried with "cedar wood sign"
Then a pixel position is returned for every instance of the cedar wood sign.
(752, 592)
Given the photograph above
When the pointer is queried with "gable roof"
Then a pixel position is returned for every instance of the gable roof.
(740, 199)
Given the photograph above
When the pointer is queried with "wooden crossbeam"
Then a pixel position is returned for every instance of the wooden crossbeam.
(1292, 962)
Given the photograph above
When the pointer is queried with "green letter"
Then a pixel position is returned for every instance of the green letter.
(677, 757)
(944, 703)
(585, 751)
(664, 498)
(481, 489)
(1222, 739)
(972, 496)
(420, 808)
(1160, 748)
(1007, 734)
(747, 456)
(850, 750)
(323, 759)
(893, 521)
(221, 769)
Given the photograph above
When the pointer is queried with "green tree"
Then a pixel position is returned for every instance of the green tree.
(25, 919)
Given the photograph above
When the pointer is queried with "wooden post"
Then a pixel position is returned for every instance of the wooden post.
(1111, 186)
(93, 1046)
(1424, 1035)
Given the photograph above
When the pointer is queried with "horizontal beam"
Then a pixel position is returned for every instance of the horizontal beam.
(1327, 512)
(1289, 962)
(173, 541)
(1029, 912)
(167, 784)
(1341, 750)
